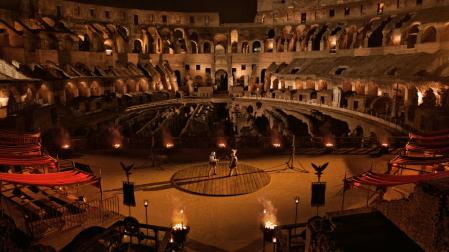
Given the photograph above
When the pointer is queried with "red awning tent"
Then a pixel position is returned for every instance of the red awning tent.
(409, 160)
(432, 148)
(8, 137)
(21, 150)
(376, 179)
(27, 160)
(435, 135)
(49, 179)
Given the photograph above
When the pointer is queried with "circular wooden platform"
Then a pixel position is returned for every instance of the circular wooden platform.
(196, 180)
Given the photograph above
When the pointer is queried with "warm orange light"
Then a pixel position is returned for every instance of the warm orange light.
(65, 146)
(179, 226)
(116, 146)
(169, 145)
(384, 144)
(270, 225)
(276, 145)
(222, 145)
(329, 145)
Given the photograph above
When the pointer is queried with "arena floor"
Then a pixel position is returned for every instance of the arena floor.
(232, 223)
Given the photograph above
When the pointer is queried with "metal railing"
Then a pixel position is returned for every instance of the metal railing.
(73, 215)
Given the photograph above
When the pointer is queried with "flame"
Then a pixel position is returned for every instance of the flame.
(276, 145)
(167, 139)
(385, 144)
(329, 145)
(179, 226)
(64, 139)
(178, 219)
(269, 214)
(270, 225)
(115, 137)
(222, 145)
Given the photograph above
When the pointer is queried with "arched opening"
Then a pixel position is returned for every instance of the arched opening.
(262, 75)
(429, 35)
(95, 89)
(44, 95)
(120, 87)
(84, 90)
(234, 47)
(268, 45)
(71, 92)
(194, 46)
(178, 34)
(245, 47)
(137, 48)
(376, 38)
(142, 85)
(280, 45)
(131, 86)
(412, 36)
(220, 49)
(234, 36)
(167, 47)
(206, 47)
(257, 47)
(221, 80)
(108, 46)
(178, 78)
(316, 42)
(84, 43)
(271, 34)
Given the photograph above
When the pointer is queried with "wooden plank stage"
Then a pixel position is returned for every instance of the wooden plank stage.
(196, 180)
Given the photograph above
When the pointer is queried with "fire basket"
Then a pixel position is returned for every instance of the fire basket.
(179, 233)
(268, 231)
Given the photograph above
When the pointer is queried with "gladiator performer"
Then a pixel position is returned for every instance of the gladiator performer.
(233, 163)
(212, 162)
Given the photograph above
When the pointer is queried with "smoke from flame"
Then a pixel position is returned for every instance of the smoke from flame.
(269, 214)
(178, 219)
(63, 139)
(167, 138)
(115, 137)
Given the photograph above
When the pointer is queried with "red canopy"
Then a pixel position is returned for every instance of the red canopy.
(27, 160)
(436, 148)
(408, 160)
(437, 135)
(20, 150)
(49, 179)
(376, 179)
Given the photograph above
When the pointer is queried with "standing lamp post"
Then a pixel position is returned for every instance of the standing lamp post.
(274, 243)
(145, 204)
(296, 210)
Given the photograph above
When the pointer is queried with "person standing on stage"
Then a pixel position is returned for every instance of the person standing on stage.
(233, 162)
(212, 163)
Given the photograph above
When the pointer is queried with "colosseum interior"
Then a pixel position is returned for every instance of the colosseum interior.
(121, 123)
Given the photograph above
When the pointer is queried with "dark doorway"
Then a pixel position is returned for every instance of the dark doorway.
(221, 80)
(178, 78)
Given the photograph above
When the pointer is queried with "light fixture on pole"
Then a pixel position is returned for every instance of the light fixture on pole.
(145, 204)
(296, 210)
